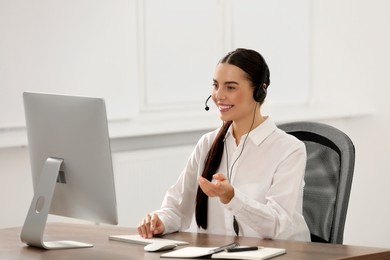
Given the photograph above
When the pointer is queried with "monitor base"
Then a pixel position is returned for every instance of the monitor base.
(64, 244)
(35, 223)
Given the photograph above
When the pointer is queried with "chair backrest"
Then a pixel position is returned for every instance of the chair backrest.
(328, 178)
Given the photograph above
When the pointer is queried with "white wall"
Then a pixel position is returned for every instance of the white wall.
(147, 58)
(15, 186)
(349, 57)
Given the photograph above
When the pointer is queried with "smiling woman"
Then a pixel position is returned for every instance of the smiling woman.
(223, 162)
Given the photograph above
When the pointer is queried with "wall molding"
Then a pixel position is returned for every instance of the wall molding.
(181, 128)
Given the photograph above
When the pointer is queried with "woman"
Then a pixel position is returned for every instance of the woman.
(245, 178)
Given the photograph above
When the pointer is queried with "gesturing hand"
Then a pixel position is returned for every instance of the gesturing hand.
(220, 187)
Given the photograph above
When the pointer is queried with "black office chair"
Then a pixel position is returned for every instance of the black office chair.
(328, 178)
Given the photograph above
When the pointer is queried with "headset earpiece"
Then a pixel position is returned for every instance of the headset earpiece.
(259, 93)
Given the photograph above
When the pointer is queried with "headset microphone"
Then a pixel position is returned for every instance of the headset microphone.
(205, 103)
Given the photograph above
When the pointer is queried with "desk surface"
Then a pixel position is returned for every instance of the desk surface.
(12, 248)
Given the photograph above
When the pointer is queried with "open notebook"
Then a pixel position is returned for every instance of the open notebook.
(194, 252)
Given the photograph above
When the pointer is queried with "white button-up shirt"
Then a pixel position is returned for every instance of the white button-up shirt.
(268, 187)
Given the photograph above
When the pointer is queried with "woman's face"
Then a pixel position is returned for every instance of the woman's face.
(233, 93)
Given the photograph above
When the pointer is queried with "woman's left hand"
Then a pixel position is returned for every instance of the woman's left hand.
(220, 187)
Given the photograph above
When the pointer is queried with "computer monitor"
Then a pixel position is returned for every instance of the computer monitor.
(71, 164)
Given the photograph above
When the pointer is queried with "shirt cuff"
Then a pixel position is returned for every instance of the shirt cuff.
(169, 226)
(236, 203)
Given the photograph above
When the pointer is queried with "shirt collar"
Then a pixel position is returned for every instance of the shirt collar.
(259, 134)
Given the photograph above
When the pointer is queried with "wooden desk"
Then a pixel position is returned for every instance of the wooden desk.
(12, 248)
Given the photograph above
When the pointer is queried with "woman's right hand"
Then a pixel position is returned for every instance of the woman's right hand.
(150, 225)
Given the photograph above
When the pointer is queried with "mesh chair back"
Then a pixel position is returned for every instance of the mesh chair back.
(328, 178)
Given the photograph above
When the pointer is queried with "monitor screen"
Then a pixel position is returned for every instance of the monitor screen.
(70, 156)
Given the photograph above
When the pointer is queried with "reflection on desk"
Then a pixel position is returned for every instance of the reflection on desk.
(12, 248)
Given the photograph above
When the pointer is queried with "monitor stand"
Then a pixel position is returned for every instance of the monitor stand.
(35, 223)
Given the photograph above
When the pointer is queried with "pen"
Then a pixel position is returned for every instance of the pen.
(222, 248)
(241, 249)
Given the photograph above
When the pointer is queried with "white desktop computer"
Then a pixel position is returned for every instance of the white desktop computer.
(71, 164)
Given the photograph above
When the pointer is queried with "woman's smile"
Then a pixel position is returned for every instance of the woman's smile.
(224, 108)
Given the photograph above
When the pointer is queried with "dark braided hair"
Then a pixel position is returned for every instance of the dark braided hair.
(212, 162)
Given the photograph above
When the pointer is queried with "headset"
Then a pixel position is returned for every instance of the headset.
(259, 93)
